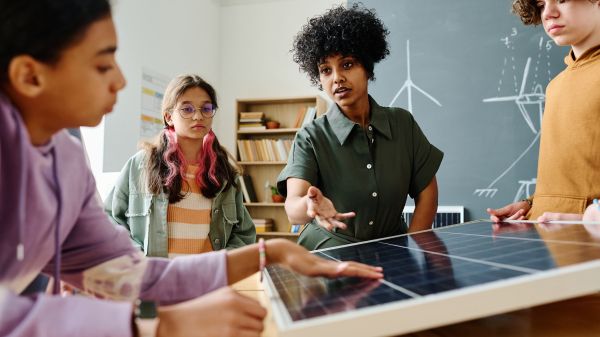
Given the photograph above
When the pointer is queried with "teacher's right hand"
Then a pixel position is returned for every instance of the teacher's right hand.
(322, 209)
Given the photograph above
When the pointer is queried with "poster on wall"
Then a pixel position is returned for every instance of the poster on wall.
(153, 89)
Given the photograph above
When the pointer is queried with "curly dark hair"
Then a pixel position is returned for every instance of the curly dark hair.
(354, 31)
(529, 12)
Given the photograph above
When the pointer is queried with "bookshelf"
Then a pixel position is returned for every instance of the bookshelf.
(262, 153)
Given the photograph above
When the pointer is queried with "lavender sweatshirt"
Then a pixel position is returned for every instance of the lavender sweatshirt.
(48, 197)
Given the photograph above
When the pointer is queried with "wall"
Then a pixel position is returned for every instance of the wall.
(256, 37)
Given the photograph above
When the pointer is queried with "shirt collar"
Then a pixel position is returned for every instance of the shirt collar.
(342, 126)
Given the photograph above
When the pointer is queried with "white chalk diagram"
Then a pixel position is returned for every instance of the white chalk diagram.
(409, 85)
(535, 97)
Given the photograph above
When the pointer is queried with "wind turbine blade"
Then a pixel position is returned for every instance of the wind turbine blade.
(501, 99)
(398, 94)
(525, 73)
(408, 60)
(409, 91)
(427, 95)
(527, 118)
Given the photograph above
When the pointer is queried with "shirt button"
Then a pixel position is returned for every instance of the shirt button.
(216, 211)
(371, 223)
(217, 241)
(374, 194)
(369, 166)
(370, 128)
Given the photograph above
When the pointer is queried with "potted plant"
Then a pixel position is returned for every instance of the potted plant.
(275, 196)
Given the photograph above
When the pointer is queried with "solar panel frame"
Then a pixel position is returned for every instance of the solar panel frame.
(438, 309)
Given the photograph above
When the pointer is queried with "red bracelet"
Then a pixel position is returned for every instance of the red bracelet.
(262, 257)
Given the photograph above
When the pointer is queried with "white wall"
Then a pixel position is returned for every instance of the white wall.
(240, 46)
(256, 37)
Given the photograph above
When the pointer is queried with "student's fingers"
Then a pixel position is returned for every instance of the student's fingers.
(494, 215)
(349, 269)
(251, 307)
(356, 269)
(517, 216)
(249, 323)
(248, 333)
(549, 216)
(544, 217)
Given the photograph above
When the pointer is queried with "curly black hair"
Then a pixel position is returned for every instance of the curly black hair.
(354, 31)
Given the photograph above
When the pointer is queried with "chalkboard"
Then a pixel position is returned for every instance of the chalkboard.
(474, 78)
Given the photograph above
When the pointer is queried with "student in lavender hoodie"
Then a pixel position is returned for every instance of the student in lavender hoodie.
(57, 71)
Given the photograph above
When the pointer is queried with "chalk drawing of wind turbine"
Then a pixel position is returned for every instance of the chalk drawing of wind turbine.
(409, 84)
(536, 97)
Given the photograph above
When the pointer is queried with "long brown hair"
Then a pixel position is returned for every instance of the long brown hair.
(165, 167)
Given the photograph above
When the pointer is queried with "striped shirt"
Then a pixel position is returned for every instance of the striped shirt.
(188, 220)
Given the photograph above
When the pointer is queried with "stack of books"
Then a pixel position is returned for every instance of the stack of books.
(263, 225)
(252, 121)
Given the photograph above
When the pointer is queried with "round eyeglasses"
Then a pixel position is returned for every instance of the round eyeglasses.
(187, 110)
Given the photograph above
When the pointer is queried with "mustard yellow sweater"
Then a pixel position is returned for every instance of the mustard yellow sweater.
(568, 176)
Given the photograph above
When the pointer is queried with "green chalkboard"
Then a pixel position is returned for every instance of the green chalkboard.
(474, 77)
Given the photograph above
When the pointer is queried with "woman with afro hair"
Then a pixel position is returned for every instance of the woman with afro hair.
(359, 158)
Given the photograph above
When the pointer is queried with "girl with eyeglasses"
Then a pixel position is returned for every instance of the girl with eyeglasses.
(180, 195)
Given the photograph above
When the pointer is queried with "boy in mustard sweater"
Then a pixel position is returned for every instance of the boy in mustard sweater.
(568, 178)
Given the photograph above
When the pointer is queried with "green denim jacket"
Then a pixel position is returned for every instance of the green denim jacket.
(144, 214)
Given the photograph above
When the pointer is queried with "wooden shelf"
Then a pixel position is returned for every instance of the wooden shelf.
(280, 234)
(268, 131)
(262, 174)
(262, 162)
(264, 204)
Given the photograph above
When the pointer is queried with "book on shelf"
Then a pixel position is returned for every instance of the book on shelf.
(263, 225)
(296, 228)
(311, 112)
(252, 121)
(252, 115)
(249, 188)
(252, 127)
(276, 150)
(244, 190)
(299, 117)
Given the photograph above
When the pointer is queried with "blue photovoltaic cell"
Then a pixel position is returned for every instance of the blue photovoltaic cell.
(432, 262)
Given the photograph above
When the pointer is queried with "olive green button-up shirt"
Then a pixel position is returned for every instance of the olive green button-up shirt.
(366, 170)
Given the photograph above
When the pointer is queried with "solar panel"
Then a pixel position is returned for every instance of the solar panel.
(438, 277)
